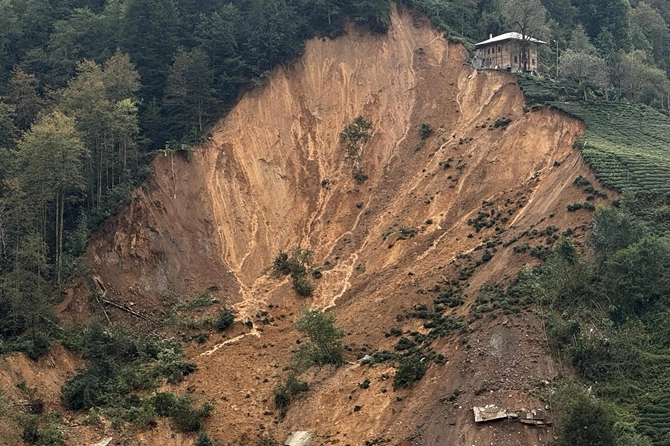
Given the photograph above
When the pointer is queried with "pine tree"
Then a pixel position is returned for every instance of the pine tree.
(24, 96)
(189, 95)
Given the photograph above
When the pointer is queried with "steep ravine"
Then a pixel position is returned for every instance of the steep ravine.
(273, 176)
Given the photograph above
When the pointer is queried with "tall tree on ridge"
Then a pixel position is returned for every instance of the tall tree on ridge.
(529, 18)
(648, 22)
(603, 17)
(189, 95)
(24, 96)
(27, 286)
(150, 37)
(51, 156)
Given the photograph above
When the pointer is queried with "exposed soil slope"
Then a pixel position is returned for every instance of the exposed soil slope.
(273, 176)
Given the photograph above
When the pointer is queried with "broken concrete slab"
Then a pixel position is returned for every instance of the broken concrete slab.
(299, 438)
(537, 417)
(489, 412)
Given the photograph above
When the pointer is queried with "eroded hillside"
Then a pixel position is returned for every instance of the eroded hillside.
(273, 176)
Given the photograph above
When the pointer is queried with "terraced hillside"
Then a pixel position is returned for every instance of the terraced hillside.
(627, 145)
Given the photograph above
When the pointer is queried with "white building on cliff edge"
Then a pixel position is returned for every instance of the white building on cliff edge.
(506, 52)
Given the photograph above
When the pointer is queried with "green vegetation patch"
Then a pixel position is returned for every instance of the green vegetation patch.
(626, 144)
(297, 264)
(323, 348)
(607, 315)
(121, 366)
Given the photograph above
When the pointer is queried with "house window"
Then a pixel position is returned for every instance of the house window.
(515, 59)
(489, 51)
(498, 49)
(533, 61)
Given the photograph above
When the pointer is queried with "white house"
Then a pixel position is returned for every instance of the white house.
(505, 52)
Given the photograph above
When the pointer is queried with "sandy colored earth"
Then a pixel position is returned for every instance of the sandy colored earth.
(273, 177)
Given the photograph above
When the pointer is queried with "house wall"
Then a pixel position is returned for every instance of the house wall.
(502, 54)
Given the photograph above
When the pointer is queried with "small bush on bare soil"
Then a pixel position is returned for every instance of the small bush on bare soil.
(302, 285)
(185, 417)
(325, 345)
(297, 264)
(286, 392)
(353, 139)
(226, 319)
(410, 370)
(203, 440)
(425, 131)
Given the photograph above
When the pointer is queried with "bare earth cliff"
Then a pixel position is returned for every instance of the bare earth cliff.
(273, 176)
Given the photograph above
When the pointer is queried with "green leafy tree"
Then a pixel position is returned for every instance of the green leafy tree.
(217, 35)
(491, 19)
(567, 278)
(529, 18)
(456, 17)
(325, 15)
(17, 217)
(586, 69)
(122, 83)
(10, 35)
(23, 94)
(607, 16)
(638, 275)
(189, 95)
(580, 42)
(27, 287)
(151, 36)
(51, 156)
(376, 15)
(102, 101)
(125, 134)
(612, 231)
(65, 48)
(85, 100)
(662, 6)
(9, 133)
(120, 78)
(465, 15)
(587, 423)
(638, 80)
(563, 12)
(652, 33)
(29, 23)
(273, 34)
(325, 339)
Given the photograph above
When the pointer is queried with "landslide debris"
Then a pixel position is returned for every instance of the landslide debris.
(441, 207)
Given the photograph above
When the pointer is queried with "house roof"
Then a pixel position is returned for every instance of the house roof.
(507, 36)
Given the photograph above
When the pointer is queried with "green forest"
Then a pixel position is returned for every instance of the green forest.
(91, 90)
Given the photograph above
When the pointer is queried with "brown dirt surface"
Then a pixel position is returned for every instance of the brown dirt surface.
(273, 176)
(23, 381)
